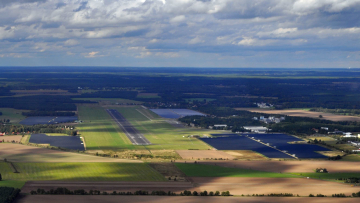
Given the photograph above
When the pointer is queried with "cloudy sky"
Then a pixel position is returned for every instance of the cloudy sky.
(180, 33)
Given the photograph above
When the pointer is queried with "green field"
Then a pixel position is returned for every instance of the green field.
(100, 131)
(329, 176)
(351, 157)
(12, 183)
(14, 115)
(81, 172)
(161, 134)
(202, 170)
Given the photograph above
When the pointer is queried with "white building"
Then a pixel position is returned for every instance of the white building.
(257, 129)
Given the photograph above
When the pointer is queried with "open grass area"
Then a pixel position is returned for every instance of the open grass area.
(162, 134)
(202, 170)
(100, 131)
(12, 183)
(110, 100)
(81, 172)
(56, 134)
(351, 157)
(14, 115)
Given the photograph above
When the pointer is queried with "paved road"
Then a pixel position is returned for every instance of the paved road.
(132, 133)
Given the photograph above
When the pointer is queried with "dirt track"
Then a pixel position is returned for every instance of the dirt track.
(290, 166)
(178, 199)
(303, 113)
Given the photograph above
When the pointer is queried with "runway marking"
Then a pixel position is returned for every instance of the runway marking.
(143, 114)
(132, 136)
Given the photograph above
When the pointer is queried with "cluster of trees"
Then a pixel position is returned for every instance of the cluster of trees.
(350, 180)
(8, 194)
(14, 129)
(5, 121)
(5, 91)
(318, 195)
(65, 191)
(339, 195)
(280, 195)
(48, 113)
(321, 170)
(356, 194)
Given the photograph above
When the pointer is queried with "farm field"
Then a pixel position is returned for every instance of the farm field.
(245, 155)
(203, 154)
(14, 115)
(254, 185)
(304, 113)
(12, 183)
(10, 138)
(351, 157)
(161, 134)
(100, 131)
(291, 166)
(166, 199)
(81, 172)
(329, 176)
(25, 153)
(202, 170)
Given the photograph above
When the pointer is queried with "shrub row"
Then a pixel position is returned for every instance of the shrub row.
(65, 191)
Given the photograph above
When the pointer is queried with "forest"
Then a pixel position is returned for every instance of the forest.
(282, 88)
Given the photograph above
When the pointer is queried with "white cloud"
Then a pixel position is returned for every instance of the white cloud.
(307, 6)
(71, 42)
(91, 54)
(196, 40)
(177, 19)
(164, 28)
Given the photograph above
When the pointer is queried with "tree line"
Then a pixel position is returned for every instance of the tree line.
(65, 191)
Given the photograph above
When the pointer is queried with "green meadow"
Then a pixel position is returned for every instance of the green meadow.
(162, 134)
(100, 131)
(81, 172)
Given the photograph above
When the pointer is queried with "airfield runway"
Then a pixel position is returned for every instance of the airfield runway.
(132, 133)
